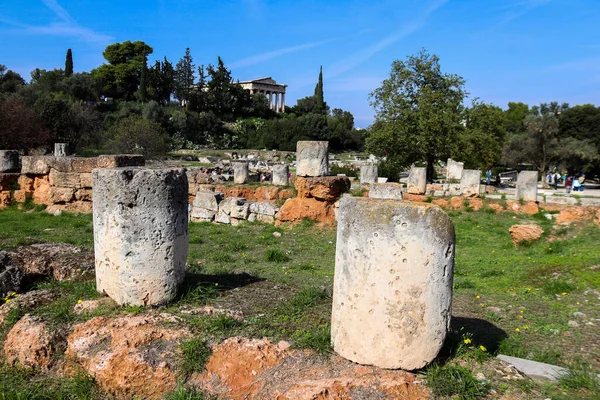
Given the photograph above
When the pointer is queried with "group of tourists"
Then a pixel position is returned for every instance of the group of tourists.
(572, 182)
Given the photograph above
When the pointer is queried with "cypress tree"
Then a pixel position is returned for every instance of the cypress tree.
(143, 93)
(69, 63)
(319, 97)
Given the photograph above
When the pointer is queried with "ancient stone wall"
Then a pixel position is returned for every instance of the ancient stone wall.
(61, 183)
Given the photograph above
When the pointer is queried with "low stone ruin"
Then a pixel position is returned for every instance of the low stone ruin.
(210, 206)
(140, 233)
(417, 180)
(454, 170)
(392, 291)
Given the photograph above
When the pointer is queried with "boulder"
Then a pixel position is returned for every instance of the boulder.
(11, 280)
(530, 208)
(30, 343)
(61, 261)
(296, 209)
(476, 204)
(576, 214)
(130, 356)
(457, 202)
(324, 188)
(440, 203)
(496, 207)
(26, 301)
(525, 233)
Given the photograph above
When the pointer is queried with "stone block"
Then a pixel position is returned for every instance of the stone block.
(26, 182)
(386, 191)
(537, 371)
(236, 221)
(325, 188)
(267, 219)
(527, 185)
(312, 158)
(140, 233)
(368, 174)
(35, 165)
(240, 172)
(120, 160)
(9, 181)
(202, 214)
(9, 161)
(561, 200)
(240, 211)
(208, 200)
(64, 179)
(61, 149)
(470, 182)
(86, 180)
(264, 208)
(222, 217)
(454, 170)
(21, 195)
(60, 195)
(84, 165)
(5, 199)
(417, 180)
(83, 194)
(392, 291)
(280, 174)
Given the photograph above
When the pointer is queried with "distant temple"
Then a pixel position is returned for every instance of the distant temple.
(269, 88)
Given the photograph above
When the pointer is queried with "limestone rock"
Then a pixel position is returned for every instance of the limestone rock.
(140, 233)
(417, 180)
(496, 207)
(62, 261)
(576, 214)
(87, 306)
(324, 188)
(457, 202)
(454, 169)
(61, 149)
(120, 160)
(26, 182)
(386, 190)
(525, 233)
(240, 172)
(296, 209)
(527, 185)
(60, 194)
(312, 158)
(35, 165)
(280, 174)
(530, 208)
(208, 200)
(368, 174)
(475, 204)
(26, 301)
(264, 208)
(470, 182)
(416, 198)
(392, 292)
(129, 357)
(440, 203)
(30, 343)
(11, 280)
(202, 215)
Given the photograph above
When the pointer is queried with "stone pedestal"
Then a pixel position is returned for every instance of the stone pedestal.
(140, 233)
(527, 185)
(417, 180)
(368, 174)
(61, 149)
(454, 170)
(392, 290)
(9, 161)
(386, 191)
(240, 172)
(312, 158)
(280, 174)
(469, 182)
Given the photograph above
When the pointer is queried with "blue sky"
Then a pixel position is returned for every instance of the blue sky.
(507, 50)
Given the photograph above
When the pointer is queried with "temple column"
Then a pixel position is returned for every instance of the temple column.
(282, 102)
(276, 101)
(269, 96)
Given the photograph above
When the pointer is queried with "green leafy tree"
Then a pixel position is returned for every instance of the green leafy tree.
(69, 63)
(120, 78)
(418, 113)
(224, 97)
(80, 87)
(20, 126)
(482, 140)
(142, 93)
(11, 82)
(319, 97)
(184, 77)
(515, 117)
(139, 135)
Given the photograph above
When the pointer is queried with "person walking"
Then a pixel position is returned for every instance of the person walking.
(488, 176)
(576, 184)
(581, 180)
(569, 183)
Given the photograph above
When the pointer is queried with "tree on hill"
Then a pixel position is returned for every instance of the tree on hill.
(10, 81)
(319, 97)
(418, 112)
(120, 78)
(20, 126)
(184, 77)
(69, 63)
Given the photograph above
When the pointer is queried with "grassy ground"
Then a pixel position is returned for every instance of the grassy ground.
(540, 301)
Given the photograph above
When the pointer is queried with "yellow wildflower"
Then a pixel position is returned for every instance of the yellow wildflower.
(520, 316)
(564, 293)
(478, 297)
(517, 330)
(467, 341)
(79, 301)
(482, 348)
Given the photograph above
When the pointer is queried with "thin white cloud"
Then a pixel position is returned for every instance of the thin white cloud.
(67, 26)
(516, 10)
(259, 58)
(365, 54)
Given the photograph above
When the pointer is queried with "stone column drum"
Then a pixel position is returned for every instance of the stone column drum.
(240, 172)
(280, 174)
(9, 161)
(368, 174)
(527, 185)
(61, 149)
(140, 233)
(469, 182)
(454, 169)
(392, 289)
(312, 158)
(417, 180)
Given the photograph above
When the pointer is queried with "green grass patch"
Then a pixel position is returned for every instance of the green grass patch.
(276, 256)
(454, 380)
(194, 355)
